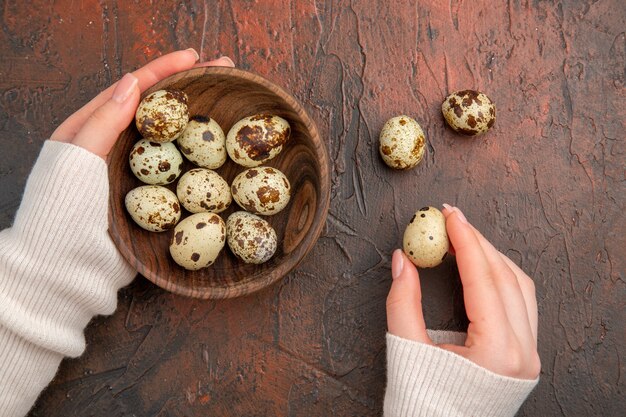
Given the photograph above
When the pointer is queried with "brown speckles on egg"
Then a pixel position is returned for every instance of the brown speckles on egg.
(250, 238)
(256, 139)
(156, 164)
(162, 115)
(268, 195)
(152, 207)
(201, 243)
(202, 190)
(402, 143)
(164, 166)
(208, 136)
(267, 192)
(469, 112)
(425, 239)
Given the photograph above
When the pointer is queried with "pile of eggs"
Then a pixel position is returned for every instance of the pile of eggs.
(162, 119)
(402, 145)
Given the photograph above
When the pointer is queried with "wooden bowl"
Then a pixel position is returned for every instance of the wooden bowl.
(227, 95)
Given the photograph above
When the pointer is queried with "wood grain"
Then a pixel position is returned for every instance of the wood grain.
(546, 186)
(227, 95)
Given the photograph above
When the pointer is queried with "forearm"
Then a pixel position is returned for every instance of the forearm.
(424, 380)
(58, 269)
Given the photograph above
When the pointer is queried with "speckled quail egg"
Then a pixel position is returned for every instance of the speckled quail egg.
(197, 240)
(155, 163)
(261, 190)
(250, 238)
(203, 142)
(402, 142)
(201, 190)
(425, 238)
(153, 207)
(162, 115)
(469, 112)
(256, 139)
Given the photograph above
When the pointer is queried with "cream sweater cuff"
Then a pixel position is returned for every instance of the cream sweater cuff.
(424, 380)
(58, 269)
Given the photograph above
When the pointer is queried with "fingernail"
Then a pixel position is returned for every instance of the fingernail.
(447, 207)
(397, 263)
(460, 215)
(195, 53)
(227, 59)
(124, 88)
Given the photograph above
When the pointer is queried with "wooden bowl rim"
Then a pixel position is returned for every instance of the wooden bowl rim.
(241, 288)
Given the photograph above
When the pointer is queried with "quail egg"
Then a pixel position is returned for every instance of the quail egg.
(153, 207)
(261, 190)
(155, 163)
(250, 238)
(402, 142)
(256, 139)
(203, 142)
(162, 115)
(201, 190)
(425, 238)
(198, 240)
(469, 112)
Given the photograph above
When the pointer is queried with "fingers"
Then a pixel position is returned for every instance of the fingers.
(483, 304)
(510, 292)
(147, 75)
(101, 129)
(223, 61)
(404, 302)
(527, 287)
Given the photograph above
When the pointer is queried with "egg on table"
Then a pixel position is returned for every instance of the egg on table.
(197, 240)
(425, 239)
(152, 207)
(256, 139)
(202, 190)
(162, 115)
(402, 142)
(261, 190)
(155, 163)
(469, 112)
(203, 142)
(250, 238)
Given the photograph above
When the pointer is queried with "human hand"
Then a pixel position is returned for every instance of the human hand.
(499, 300)
(98, 123)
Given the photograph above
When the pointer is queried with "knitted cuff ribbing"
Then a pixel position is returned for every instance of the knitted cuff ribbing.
(424, 380)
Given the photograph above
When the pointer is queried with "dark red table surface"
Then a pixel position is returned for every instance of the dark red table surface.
(546, 185)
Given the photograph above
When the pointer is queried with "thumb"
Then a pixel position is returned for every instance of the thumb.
(404, 303)
(104, 125)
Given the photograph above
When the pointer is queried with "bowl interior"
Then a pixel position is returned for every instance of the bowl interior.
(227, 95)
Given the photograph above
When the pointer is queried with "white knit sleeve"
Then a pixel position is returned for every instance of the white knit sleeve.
(424, 380)
(58, 269)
